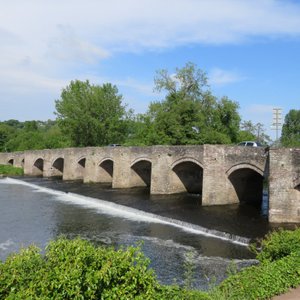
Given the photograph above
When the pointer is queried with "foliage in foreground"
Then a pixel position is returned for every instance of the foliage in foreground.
(279, 244)
(75, 269)
(10, 170)
(279, 270)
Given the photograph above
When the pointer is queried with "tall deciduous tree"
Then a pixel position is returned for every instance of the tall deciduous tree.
(91, 115)
(190, 114)
(6, 133)
(291, 129)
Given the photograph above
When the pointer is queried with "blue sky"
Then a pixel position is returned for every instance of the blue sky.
(249, 49)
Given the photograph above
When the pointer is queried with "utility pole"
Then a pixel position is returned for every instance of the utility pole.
(277, 120)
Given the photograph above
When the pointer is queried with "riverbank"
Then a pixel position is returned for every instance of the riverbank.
(8, 170)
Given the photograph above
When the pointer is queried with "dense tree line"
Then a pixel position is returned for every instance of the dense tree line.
(188, 113)
(291, 129)
(19, 136)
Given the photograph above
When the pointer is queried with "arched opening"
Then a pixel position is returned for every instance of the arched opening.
(142, 170)
(190, 175)
(81, 162)
(81, 168)
(248, 185)
(297, 187)
(22, 163)
(58, 166)
(106, 170)
(38, 167)
(11, 162)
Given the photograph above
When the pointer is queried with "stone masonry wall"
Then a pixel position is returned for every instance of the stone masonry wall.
(284, 180)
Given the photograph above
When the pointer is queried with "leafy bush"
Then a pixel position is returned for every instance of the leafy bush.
(278, 271)
(75, 269)
(279, 244)
(263, 281)
(10, 170)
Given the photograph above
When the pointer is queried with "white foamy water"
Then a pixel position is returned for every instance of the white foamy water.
(113, 209)
(6, 245)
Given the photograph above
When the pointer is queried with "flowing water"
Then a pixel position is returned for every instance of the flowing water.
(173, 228)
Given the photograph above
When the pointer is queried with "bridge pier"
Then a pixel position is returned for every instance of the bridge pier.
(217, 189)
(284, 185)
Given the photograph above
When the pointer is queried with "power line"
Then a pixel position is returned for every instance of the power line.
(277, 120)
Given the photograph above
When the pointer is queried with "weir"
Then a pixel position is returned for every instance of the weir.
(218, 174)
(134, 214)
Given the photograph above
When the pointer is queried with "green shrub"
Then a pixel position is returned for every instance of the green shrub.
(263, 281)
(10, 170)
(279, 244)
(279, 270)
(75, 269)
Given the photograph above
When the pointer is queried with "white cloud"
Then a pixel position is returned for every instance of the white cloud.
(220, 77)
(47, 42)
(69, 47)
(87, 31)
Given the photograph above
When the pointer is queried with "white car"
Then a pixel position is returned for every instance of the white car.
(250, 144)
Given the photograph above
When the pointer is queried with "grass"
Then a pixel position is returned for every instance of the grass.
(10, 170)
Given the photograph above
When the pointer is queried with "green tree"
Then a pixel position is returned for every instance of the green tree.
(91, 115)
(190, 114)
(6, 133)
(31, 125)
(189, 82)
(26, 140)
(54, 138)
(14, 123)
(229, 118)
(139, 130)
(32, 135)
(290, 136)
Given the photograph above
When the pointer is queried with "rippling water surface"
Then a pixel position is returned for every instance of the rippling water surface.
(172, 227)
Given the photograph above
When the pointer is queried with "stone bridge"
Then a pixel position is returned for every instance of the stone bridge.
(219, 174)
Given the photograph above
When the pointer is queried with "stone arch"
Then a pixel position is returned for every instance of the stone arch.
(106, 171)
(141, 172)
(11, 161)
(22, 162)
(247, 181)
(82, 161)
(297, 184)
(80, 169)
(38, 167)
(244, 166)
(58, 166)
(189, 171)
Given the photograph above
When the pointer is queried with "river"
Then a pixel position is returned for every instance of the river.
(172, 228)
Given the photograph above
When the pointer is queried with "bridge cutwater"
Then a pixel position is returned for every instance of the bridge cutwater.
(220, 174)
